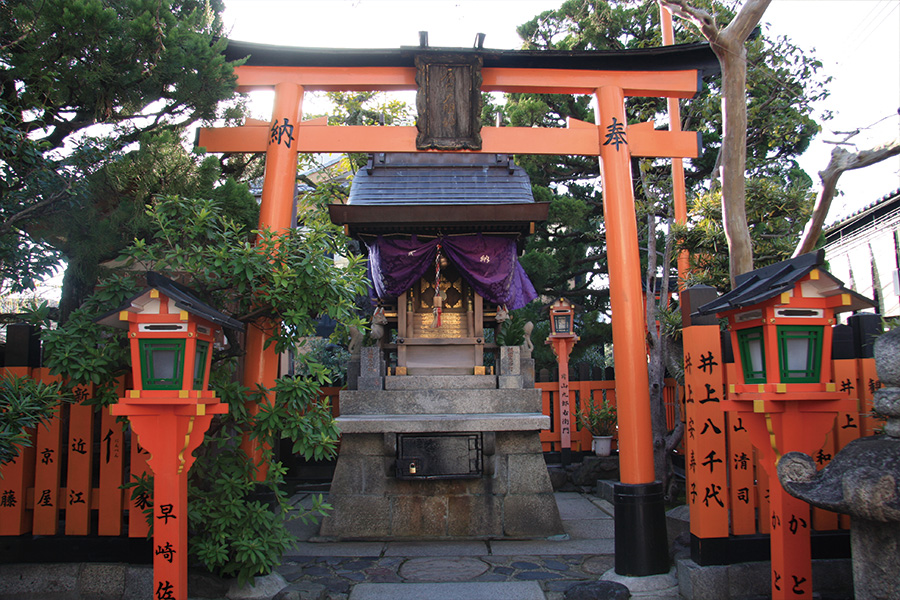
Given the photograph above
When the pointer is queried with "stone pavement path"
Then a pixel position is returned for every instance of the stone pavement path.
(583, 554)
(339, 574)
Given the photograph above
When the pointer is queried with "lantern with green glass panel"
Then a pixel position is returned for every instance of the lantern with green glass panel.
(562, 318)
(780, 320)
(171, 334)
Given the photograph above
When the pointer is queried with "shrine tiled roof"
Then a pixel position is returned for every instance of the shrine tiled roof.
(760, 285)
(407, 193)
(408, 178)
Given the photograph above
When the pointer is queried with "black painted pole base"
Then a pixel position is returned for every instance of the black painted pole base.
(641, 541)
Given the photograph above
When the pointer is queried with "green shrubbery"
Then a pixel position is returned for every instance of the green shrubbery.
(259, 278)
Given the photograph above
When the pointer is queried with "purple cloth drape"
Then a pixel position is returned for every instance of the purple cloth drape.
(490, 265)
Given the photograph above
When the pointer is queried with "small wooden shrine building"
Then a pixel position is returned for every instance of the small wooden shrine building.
(441, 429)
(442, 232)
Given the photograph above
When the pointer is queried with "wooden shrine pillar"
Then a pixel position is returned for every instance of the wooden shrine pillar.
(275, 211)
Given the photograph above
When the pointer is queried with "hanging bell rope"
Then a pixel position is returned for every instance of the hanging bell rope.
(438, 295)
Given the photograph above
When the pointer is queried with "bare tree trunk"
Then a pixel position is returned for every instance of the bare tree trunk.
(841, 161)
(728, 44)
(734, 159)
(664, 441)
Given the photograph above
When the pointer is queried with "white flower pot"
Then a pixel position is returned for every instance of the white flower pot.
(602, 445)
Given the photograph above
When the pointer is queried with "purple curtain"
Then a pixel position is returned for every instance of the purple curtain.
(488, 263)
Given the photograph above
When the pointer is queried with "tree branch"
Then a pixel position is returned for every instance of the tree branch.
(24, 214)
(841, 161)
(701, 19)
(745, 21)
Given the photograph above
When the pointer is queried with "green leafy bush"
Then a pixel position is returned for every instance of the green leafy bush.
(260, 278)
(599, 420)
(26, 404)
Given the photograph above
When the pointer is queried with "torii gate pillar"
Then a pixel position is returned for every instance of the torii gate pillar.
(640, 511)
(275, 210)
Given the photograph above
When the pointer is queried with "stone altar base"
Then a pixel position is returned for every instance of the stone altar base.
(441, 456)
(512, 499)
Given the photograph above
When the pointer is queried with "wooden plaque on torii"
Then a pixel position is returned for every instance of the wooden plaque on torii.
(448, 101)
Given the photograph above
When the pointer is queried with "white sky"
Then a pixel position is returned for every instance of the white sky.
(858, 42)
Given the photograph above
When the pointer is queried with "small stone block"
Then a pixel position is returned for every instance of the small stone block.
(370, 362)
(526, 366)
(510, 382)
(370, 383)
(510, 360)
(401, 371)
(480, 371)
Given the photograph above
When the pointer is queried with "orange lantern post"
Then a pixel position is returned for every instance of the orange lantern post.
(171, 334)
(780, 320)
(562, 338)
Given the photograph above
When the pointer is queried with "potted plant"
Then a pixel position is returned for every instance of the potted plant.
(601, 422)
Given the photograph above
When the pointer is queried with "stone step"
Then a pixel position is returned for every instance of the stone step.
(470, 590)
(394, 423)
(440, 401)
(445, 382)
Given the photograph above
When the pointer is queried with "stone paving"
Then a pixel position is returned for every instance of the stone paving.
(583, 554)
(339, 574)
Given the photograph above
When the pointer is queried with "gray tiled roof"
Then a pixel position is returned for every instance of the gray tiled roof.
(445, 178)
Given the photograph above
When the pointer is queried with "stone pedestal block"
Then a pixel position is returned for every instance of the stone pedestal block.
(512, 499)
(510, 360)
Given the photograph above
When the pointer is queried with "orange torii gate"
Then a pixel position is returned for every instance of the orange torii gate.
(671, 72)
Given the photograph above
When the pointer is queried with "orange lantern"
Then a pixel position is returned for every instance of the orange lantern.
(780, 319)
(171, 334)
(562, 318)
(562, 338)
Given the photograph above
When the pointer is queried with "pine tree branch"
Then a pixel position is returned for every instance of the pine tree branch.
(7, 225)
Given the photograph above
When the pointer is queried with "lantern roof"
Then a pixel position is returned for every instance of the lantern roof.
(183, 297)
(766, 283)
(563, 302)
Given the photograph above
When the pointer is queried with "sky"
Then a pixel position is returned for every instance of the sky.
(858, 42)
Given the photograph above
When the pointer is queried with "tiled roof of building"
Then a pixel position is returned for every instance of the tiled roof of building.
(432, 178)
(863, 216)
